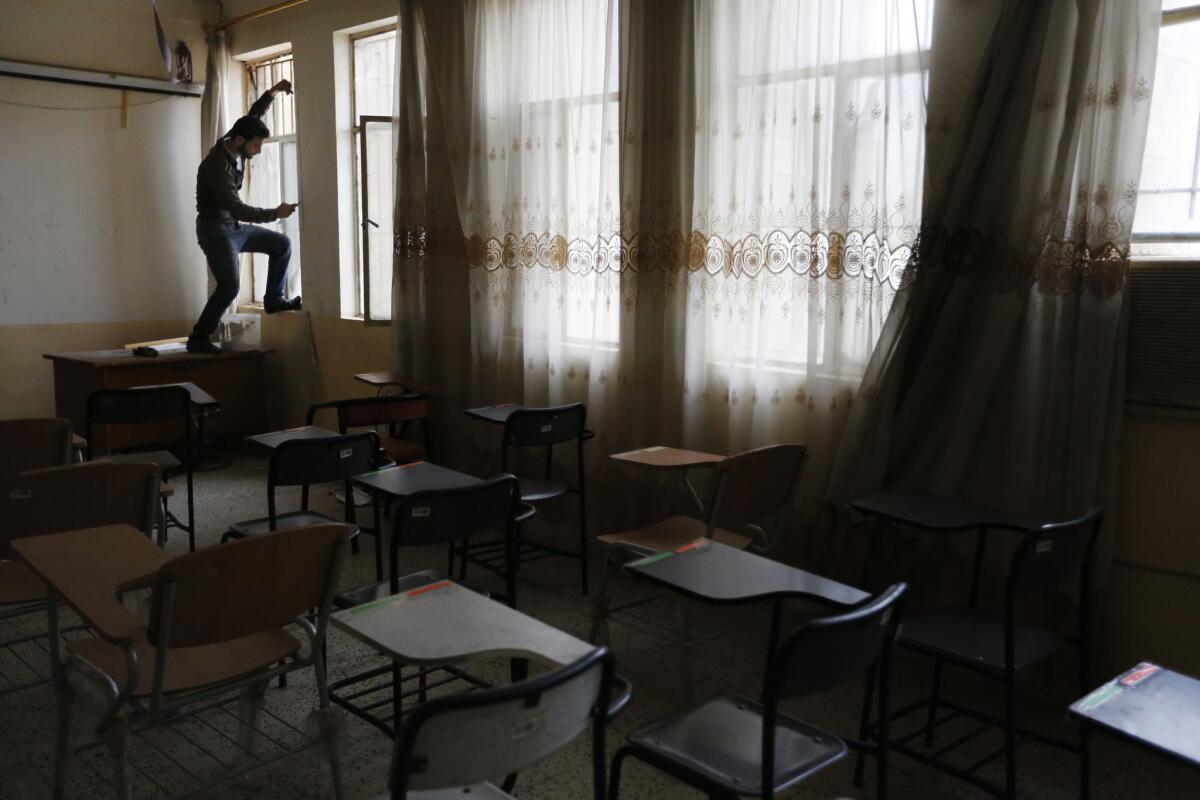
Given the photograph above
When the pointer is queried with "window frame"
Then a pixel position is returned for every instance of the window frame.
(252, 91)
(362, 254)
(1177, 16)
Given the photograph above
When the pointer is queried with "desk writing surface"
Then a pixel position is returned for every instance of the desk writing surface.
(708, 570)
(498, 414)
(126, 358)
(418, 476)
(1149, 705)
(86, 566)
(937, 513)
(443, 623)
(276, 438)
(659, 457)
(384, 379)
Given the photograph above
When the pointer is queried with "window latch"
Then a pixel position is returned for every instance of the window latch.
(368, 221)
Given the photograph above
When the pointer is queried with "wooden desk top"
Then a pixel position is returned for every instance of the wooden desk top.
(382, 379)
(202, 400)
(443, 623)
(418, 476)
(716, 573)
(936, 513)
(86, 567)
(126, 358)
(660, 457)
(1151, 706)
(276, 438)
(498, 413)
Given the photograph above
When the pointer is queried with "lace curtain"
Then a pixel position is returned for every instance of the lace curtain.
(999, 376)
(698, 233)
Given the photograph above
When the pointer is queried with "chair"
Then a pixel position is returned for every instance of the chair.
(160, 404)
(541, 427)
(1000, 647)
(27, 444)
(735, 747)
(450, 746)
(216, 626)
(397, 412)
(64, 499)
(746, 489)
(424, 518)
(301, 462)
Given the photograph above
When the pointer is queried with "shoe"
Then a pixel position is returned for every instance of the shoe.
(273, 306)
(203, 346)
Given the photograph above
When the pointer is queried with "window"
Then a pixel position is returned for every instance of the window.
(1168, 212)
(273, 176)
(373, 70)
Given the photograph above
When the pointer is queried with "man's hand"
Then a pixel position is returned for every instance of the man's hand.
(285, 210)
(283, 86)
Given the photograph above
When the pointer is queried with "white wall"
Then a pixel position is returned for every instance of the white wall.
(96, 220)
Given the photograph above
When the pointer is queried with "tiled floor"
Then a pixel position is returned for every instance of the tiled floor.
(729, 665)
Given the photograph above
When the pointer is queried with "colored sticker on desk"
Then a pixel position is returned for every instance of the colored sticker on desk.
(430, 588)
(1099, 697)
(648, 560)
(654, 449)
(300, 428)
(1139, 673)
(699, 544)
(502, 405)
(411, 464)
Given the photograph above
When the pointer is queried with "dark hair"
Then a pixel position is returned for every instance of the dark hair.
(249, 128)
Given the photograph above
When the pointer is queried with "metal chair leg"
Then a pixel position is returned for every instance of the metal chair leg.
(162, 523)
(599, 633)
(116, 738)
(864, 723)
(62, 743)
(1010, 735)
(250, 702)
(685, 636)
(934, 695)
(614, 778)
(329, 725)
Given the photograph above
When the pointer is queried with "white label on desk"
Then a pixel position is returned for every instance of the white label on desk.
(654, 449)
(421, 511)
(1044, 547)
(20, 494)
(547, 428)
(347, 452)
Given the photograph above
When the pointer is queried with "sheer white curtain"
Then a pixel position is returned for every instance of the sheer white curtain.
(539, 201)
(808, 139)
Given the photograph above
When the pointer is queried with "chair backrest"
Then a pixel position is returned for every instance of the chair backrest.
(1053, 555)
(27, 444)
(246, 586)
(78, 496)
(138, 407)
(749, 487)
(301, 462)
(532, 427)
(828, 652)
(468, 738)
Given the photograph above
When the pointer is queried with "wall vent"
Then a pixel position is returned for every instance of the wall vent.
(1163, 367)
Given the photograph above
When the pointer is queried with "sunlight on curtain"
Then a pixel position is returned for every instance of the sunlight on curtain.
(809, 158)
(541, 206)
(272, 179)
(374, 89)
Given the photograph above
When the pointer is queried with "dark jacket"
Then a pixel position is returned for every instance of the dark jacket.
(219, 180)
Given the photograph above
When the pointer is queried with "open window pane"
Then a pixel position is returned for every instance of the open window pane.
(374, 171)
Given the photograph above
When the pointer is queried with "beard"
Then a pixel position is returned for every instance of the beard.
(246, 154)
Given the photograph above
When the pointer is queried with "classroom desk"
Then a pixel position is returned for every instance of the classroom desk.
(713, 572)
(384, 380)
(499, 414)
(399, 482)
(276, 438)
(939, 514)
(86, 568)
(203, 403)
(443, 623)
(234, 379)
(661, 458)
(1151, 706)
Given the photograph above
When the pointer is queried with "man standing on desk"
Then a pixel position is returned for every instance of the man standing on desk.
(220, 223)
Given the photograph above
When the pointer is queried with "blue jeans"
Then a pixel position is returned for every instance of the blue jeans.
(222, 243)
